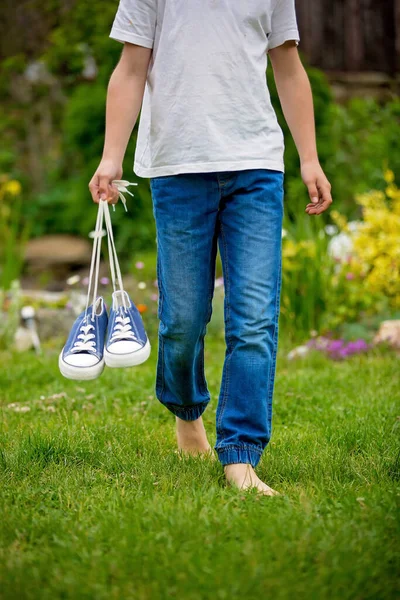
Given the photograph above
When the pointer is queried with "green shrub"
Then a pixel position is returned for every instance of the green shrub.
(365, 136)
(14, 231)
(354, 141)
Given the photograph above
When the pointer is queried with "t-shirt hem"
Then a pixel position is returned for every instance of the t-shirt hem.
(277, 39)
(125, 36)
(207, 167)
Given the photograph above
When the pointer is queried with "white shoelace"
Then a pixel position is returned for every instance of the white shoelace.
(85, 340)
(122, 326)
(103, 213)
(122, 330)
(122, 186)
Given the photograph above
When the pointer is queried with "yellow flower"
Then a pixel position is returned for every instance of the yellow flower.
(289, 249)
(392, 191)
(388, 176)
(12, 187)
(339, 219)
(376, 242)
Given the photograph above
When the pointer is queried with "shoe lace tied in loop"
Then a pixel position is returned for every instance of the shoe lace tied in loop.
(122, 328)
(85, 342)
(104, 214)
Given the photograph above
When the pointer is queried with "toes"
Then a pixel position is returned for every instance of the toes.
(271, 492)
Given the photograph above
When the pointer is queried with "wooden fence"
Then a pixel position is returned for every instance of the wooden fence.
(336, 35)
(351, 35)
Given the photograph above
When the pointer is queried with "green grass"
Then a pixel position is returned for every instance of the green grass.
(96, 503)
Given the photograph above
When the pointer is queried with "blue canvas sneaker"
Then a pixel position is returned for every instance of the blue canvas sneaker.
(82, 356)
(127, 344)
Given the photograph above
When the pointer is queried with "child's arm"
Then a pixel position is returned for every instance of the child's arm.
(297, 104)
(124, 99)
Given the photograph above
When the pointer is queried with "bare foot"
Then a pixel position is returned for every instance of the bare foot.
(192, 438)
(244, 477)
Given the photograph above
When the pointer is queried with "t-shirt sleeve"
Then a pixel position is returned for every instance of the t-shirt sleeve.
(135, 22)
(283, 24)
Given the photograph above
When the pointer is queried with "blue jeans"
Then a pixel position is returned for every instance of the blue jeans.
(241, 213)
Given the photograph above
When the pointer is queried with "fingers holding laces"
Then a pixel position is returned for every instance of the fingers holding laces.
(101, 185)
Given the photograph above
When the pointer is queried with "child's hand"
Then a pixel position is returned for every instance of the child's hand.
(318, 187)
(100, 185)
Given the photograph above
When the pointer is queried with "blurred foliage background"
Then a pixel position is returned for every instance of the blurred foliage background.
(53, 83)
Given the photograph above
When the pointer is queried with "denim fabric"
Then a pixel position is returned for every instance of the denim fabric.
(241, 213)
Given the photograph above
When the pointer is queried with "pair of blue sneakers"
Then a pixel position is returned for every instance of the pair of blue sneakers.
(96, 339)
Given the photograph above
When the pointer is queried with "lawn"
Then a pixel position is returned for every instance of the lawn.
(96, 503)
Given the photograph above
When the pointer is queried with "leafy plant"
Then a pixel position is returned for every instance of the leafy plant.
(14, 231)
(364, 135)
(368, 280)
(306, 273)
(10, 306)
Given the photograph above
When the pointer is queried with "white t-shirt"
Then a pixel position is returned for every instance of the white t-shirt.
(206, 105)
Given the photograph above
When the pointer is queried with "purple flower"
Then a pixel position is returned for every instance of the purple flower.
(104, 281)
(338, 349)
(85, 281)
(139, 264)
(359, 345)
(154, 297)
(335, 345)
(349, 276)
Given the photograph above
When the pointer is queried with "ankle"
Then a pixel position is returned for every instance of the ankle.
(196, 424)
(235, 467)
(192, 436)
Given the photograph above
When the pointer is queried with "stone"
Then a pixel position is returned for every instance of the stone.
(389, 331)
(54, 322)
(52, 251)
(23, 339)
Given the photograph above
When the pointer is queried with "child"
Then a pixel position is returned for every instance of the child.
(210, 143)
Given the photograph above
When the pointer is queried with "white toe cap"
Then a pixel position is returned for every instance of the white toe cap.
(81, 360)
(124, 347)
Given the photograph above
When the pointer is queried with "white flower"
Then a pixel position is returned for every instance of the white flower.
(20, 409)
(142, 285)
(299, 351)
(340, 246)
(331, 229)
(284, 233)
(354, 225)
(73, 280)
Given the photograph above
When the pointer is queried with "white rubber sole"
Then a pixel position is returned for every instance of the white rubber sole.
(80, 373)
(118, 361)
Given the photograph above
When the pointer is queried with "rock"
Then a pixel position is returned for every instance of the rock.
(389, 331)
(54, 322)
(23, 339)
(54, 251)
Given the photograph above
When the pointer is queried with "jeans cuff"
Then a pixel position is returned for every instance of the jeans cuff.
(243, 453)
(187, 413)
